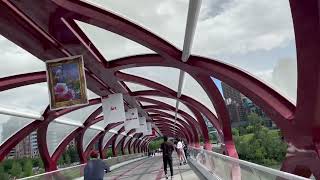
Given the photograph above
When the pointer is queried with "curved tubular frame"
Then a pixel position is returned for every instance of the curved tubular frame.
(100, 145)
(169, 124)
(299, 125)
(187, 133)
(190, 120)
(182, 127)
(165, 128)
(166, 92)
(114, 146)
(161, 114)
(195, 112)
(123, 146)
(42, 132)
(88, 122)
(100, 135)
(15, 81)
(127, 146)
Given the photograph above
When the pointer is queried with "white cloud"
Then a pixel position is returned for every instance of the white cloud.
(166, 76)
(15, 60)
(166, 18)
(227, 28)
(32, 97)
(111, 45)
(244, 26)
(282, 78)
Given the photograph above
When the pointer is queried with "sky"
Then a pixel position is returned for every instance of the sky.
(254, 36)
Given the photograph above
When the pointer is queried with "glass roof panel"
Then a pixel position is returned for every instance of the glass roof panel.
(117, 128)
(32, 97)
(118, 139)
(166, 18)
(15, 60)
(156, 74)
(255, 36)
(9, 125)
(92, 95)
(101, 124)
(169, 101)
(168, 112)
(101, 114)
(111, 45)
(184, 108)
(172, 120)
(146, 103)
(107, 137)
(80, 115)
(194, 90)
(137, 87)
(56, 133)
(126, 140)
(88, 137)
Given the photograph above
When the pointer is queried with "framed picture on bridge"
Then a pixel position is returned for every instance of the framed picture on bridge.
(66, 82)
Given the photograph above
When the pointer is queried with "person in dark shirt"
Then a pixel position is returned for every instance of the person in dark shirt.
(95, 168)
(167, 149)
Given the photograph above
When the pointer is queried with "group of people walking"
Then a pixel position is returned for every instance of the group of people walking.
(167, 149)
(96, 168)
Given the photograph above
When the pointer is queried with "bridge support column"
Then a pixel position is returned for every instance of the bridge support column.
(303, 164)
(230, 149)
(208, 146)
(197, 145)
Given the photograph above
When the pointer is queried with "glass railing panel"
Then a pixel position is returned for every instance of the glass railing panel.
(228, 168)
(76, 172)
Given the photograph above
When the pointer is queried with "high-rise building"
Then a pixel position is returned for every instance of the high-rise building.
(239, 106)
(250, 107)
(23, 149)
(27, 147)
(34, 144)
(234, 104)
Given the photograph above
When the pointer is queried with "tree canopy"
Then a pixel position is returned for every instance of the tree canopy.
(258, 144)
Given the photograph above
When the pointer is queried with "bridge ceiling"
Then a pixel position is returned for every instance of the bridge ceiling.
(143, 54)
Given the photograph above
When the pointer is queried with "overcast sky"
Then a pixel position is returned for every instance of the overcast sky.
(253, 35)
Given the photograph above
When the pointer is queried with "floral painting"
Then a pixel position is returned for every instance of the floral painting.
(66, 81)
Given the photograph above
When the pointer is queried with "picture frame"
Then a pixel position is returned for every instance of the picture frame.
(66, 82)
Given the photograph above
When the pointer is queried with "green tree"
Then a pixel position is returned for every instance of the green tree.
(235, 132)
(67, 159)
(37, 162)
(16, 170)
(7, 164)
(260, 144)
(3, 174)
(201, 139)
(27, 168)
(74, 157)
(61, 161)
(108, 152)
(213, 138)
(155, 144)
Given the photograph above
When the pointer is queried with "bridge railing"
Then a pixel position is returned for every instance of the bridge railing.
(76, 172)
(219, 166)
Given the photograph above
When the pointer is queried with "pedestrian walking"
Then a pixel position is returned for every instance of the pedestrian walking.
(95, 168)
(167, 149)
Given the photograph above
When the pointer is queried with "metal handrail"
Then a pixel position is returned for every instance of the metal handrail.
(254, 166)
(76, 166)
